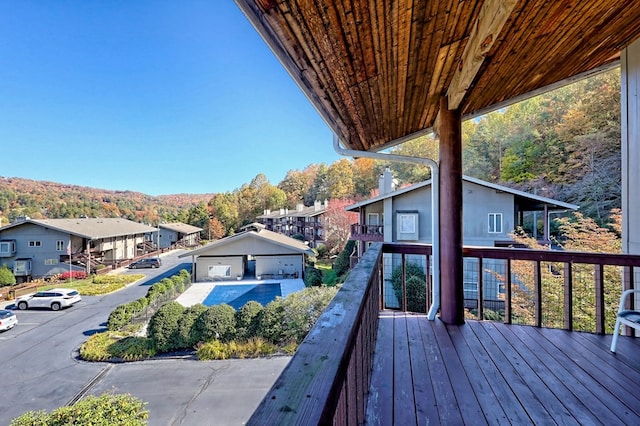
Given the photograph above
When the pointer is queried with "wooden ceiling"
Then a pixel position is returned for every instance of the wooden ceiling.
(376, 69)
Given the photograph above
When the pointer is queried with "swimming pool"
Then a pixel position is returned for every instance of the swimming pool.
(237, 295)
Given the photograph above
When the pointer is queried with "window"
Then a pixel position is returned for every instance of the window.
(59, 245)
(35, 243)
(372, 219)
(7, 247)
(407, 225)
(495, 223)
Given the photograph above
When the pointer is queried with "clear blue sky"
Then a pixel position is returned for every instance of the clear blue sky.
(160, 97)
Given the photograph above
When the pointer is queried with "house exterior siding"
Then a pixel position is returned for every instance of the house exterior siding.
(205, 272)
(45, 257)
(94, 241)
(489, 214)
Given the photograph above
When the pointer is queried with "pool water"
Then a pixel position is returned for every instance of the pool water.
(237, 295)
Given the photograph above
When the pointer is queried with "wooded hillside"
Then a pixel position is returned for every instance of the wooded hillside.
(564, 144)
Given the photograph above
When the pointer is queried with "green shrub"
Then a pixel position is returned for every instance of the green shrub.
(217, 322)
(312, 276)
(271, 321)
(329, 278)
(289, 320)
(96, 347)
(301, 311)
(6, 276)
(251, 348)
(132, 348)
(186, 334)
(163, 325)
(416, 286)
(342, 263)
(323, 251)
(213, 349)
(248, 320)
(118, 318)
(106, 409)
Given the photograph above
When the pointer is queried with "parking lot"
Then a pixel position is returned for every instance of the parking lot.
(40, 368)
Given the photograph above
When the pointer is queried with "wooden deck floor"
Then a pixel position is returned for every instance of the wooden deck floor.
(426, 372)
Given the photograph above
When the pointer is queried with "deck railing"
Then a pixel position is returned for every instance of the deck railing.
(327, 380)
(362, 232)
(545, 288)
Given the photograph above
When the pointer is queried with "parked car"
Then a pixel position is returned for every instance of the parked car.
(152, 262)
(55, 299)
(8, 320)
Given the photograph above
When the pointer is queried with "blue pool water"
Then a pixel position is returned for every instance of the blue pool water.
(237, 295)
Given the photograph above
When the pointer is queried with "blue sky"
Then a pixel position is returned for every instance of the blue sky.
(160, 97)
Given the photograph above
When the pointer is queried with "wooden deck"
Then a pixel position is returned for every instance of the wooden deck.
(426, 372)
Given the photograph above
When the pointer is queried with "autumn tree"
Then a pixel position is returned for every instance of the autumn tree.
(337, 225)
(320, 188)
(365, 176)
(296, 184)
(423, 147)
(579, 233)
(215, 229)
(224, 208)
(340, 179)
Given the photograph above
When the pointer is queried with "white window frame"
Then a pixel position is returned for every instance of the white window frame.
(375, 216)
(495, 223)
(7, 247)
(60, 245)
(35, 243)
(407, 223)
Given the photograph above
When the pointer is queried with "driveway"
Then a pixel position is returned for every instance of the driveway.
(39, 368)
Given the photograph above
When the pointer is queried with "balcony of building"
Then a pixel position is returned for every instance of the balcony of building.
(360, 232)
(544, 359)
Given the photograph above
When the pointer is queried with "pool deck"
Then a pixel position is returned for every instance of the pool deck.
(199, 291)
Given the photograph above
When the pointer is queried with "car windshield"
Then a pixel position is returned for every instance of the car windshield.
(72, 293)
(5, 314)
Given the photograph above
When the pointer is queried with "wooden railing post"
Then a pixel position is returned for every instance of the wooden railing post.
(599, 281)
(537, 276)
(507, 294)
(568, 296)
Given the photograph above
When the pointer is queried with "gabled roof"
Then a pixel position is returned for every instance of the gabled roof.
(91, 228)
(311, 211)
(534, 202)
(263, 235)
(182, 228)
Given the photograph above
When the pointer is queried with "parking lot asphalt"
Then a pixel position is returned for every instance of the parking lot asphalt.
(177, 391)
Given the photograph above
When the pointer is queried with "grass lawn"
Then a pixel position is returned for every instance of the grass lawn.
(95, 285)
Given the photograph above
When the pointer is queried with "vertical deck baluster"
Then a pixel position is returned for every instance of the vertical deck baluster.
(537, 276)
(599, 281)
(480, 290)
(404, 284)
(568, 296)
(507, 294)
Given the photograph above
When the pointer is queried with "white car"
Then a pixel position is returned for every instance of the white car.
(8, 320)
(55, 299)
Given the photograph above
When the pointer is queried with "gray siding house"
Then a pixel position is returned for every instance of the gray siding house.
(305, 221)
(490, 213)
(254, 252)
(175, 234)
(42, 248)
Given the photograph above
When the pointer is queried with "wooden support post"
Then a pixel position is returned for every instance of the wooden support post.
(451, 262)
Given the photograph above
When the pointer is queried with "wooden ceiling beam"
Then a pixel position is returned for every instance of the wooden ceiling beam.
(491, 18)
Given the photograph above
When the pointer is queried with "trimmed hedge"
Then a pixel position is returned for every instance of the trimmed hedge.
(106, 409)
(163, 326)
(124, 314)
